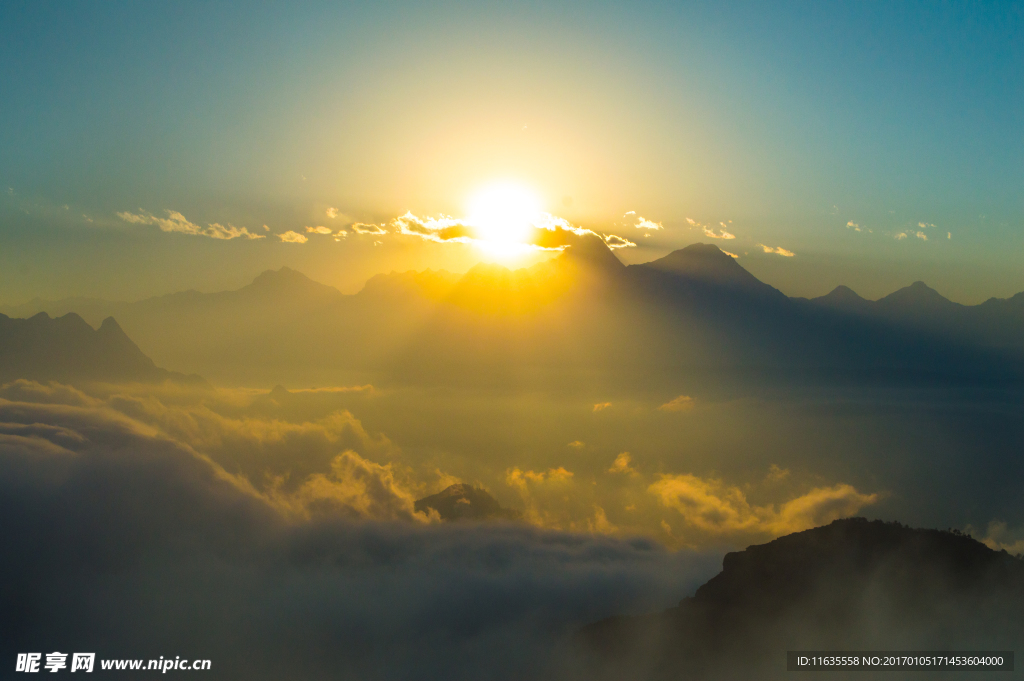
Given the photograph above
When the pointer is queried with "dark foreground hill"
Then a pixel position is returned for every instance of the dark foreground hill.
(851, 585)
(67, 349)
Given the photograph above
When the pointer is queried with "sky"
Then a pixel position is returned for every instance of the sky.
(878, 143)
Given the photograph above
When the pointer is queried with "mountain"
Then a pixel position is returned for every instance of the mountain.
(707, 265)
(579, 320)
(996, 323)
(850, 585)
(917, 298)
(67, 349)
(465, 502)
(844, 298)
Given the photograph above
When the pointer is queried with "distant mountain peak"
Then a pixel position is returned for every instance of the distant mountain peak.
(109, 326)
(276, 278)
(592, 253)
(918, 295)
(464, 502)
(288, 281)
(707, 263)
(843, 297)
(69, 349)
(842, 293)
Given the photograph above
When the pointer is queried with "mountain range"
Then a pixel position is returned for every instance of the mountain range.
(851, 585)
(580, 319)
(67, 349)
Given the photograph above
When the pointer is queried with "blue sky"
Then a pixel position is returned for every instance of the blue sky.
(798, 122)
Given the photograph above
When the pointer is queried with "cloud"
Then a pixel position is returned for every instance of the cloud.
(642, 222)
(925, 225)
(922, 236)
(293, 237)
(853, 224)
(554, 499)
(356, 488)
(713, 507)
(778, 250)
(613, 242)
(366, 228)
(731, 255)
(515, 477)
(128, 540)
(776, 474)
(176, 222)
(547, 232)
(710, 233)
(577, 444)
(999, 538)
(319, 230)
(332, 213)
(601, 406)
(621, 464)
(304, 469)
(681, 403)
(433, 229)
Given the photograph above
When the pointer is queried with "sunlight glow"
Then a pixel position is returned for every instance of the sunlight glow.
(502, 214)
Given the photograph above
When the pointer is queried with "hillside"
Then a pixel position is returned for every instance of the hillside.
(850, 585)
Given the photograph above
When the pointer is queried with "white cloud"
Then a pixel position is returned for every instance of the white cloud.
(366, 228)
(731, 255)
(332, 213)
(642, 222)
(613, 242)
(922, 236)
(622, 464)
(176, 222)
(131, 532)
(319, 229)
(681, 403)
(900, 236)
(439, 229)
(710, 233)
(711, 506)
(293, 237)
(778, 250)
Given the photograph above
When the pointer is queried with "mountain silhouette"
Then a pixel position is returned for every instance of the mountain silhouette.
(918, 297)
(708, 265)
(579, 319)
(465, 502)
(68, 349)
(850, 585)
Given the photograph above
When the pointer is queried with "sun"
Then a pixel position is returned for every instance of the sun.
(502, 215)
